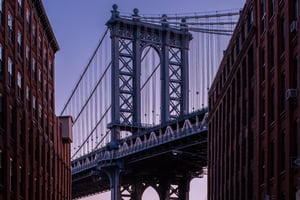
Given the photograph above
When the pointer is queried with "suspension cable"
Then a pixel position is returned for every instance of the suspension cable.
(85, 141)
(84, 71)
(92, 93)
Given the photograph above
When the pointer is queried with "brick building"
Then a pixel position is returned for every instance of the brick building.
(34, 143)
(254, 107)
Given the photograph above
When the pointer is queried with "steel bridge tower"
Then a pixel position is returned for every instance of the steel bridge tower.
(128, 39)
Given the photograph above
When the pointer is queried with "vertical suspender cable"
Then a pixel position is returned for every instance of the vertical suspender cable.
(209, 56)
(197, 66)
(83, 74)
(203, 67)
(154, 89)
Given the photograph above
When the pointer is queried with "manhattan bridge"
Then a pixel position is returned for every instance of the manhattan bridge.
(139, 108)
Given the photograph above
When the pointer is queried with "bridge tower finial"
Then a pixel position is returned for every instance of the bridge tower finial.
(183, 25)
(115, 13)
(164, 20)
(135, 15)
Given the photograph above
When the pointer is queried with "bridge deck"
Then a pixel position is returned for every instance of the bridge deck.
(175, 150)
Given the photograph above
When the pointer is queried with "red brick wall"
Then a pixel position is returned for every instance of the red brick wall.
(253, 128)
(35, 162)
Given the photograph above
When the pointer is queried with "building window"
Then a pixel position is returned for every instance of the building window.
(243, 33)
(11, 121)
(1, 110)
(282, 196)
(250, 18)
(28, 58)
(272, 8)
(20, 6)
(21, 182)
(263, 15)
(46, 124)
(21, 131)
(45, 89)
(263, 115)
(11, 175)
(40, 80)
(272, 104)
(33, 35)
(262, 166)
(37, 148)
(1, 58)
(295, 9)
(295, 72)
(232, 57)
(40, 47)
(283, 151)
(51, 99)
(28, 98)
(250, 143)
(45, 59)
(251, 104)
(34, 107)
(20, 44)
(10, 72)
(272, 54)
(28, 21)
(41, 115)
(251, 62)
(1, 12)
(34, 69)
(237, 45)
(50, 68)
(263, 64)
(244, 73)
(272, 159)
(1, 168)
(51, 132)
(283, 90)
(282, 35)
(19, 85)
(295, 139)
(10, 27)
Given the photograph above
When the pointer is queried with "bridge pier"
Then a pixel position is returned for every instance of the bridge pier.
(132, 190)
(113, 174)
(184, 188)
(115, 184)
(167, 188)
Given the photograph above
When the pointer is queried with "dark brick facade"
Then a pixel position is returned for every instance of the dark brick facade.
(254, 109)
(34, 154)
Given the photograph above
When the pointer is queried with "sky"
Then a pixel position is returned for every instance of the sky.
(79, 25)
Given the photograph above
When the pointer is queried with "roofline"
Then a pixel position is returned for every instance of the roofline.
(46, 24)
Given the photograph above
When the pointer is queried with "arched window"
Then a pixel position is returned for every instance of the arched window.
(20, 44)
(198, 188)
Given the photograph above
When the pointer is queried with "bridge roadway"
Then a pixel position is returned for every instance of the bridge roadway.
(170, 151)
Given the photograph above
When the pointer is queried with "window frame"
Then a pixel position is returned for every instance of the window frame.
(20, 41)
(10, 26)
(20, 7)
(10, 71)
(19, 83)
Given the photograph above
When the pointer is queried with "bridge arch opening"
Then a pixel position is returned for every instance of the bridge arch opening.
(198, 188)
(150, 194)
(150, 86)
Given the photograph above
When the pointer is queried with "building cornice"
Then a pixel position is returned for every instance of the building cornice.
(38, 5)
